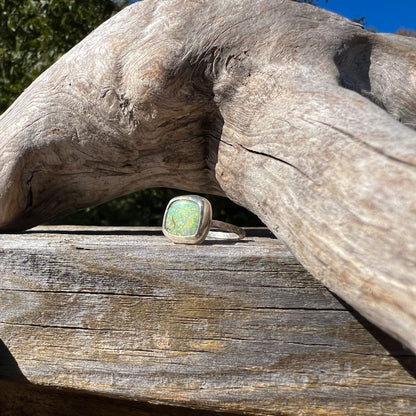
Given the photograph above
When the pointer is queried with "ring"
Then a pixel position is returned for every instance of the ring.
(188, 220)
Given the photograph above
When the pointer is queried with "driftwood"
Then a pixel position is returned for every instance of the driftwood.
(294, 112)
(236, 328)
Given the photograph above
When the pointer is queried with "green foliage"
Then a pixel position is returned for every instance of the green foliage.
(363, 21)
(360, 20)
(35, 33)
(147, 208)
(406, 32)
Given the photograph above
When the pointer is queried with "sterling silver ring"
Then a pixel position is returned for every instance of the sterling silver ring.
(188, 220)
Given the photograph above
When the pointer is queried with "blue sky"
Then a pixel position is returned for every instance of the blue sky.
(384, 15)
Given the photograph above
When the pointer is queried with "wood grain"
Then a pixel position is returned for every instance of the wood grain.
(296, 113)
(240, 327)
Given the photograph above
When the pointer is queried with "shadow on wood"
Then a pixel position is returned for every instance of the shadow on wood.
(20, 398)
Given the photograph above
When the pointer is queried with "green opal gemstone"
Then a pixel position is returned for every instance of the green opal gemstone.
(183, 218)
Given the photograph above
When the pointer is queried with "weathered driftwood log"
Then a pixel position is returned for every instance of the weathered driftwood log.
(297, 114)
(239, 328)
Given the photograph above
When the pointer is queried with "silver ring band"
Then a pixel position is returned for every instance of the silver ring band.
(232, 232)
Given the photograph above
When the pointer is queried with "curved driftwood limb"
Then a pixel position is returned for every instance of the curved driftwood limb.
(291, 111)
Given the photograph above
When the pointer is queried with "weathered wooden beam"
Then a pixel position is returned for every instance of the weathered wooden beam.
(240, 327)
(296, 113)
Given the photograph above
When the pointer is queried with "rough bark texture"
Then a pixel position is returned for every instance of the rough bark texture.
(297, 114)
(238, 328)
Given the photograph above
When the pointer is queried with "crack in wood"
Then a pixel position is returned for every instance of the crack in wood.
(66, 327)
(279, 160)
(361, 141)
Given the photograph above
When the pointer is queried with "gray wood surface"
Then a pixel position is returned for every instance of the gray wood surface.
(298, 114)
(238, 327)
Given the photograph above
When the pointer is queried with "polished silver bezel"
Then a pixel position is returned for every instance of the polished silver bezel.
(204, 223)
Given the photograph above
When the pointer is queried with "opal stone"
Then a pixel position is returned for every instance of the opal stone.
(183, 218)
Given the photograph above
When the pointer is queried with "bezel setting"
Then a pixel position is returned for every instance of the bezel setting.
(203, 223)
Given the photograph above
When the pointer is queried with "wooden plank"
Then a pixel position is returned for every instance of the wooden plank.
(238, 327)
(291, 115)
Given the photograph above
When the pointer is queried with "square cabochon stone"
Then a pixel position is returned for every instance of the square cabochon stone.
(183, 218)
